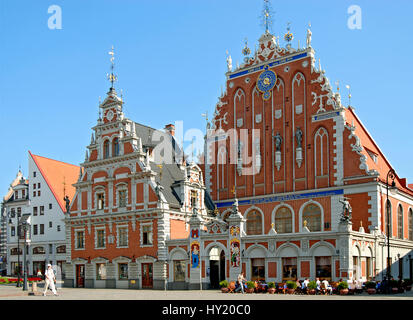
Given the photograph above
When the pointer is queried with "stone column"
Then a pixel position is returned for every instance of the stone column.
(195, 250)
(89, 275)
(235, 230)
(344, 244)
(110, 275)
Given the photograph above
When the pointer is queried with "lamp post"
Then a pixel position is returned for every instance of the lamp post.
(392, 175)
(26, 229)
(18, 246)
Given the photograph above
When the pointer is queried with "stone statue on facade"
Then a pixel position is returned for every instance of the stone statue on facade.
(229, 62)
(347, 210)
(309, 34)
(67, 201)
(278, 141)
(299, 137)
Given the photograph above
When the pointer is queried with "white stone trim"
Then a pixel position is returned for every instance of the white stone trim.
(96, 229)
(300, 215)
(280, 205)
(262, 218)
(143, 224)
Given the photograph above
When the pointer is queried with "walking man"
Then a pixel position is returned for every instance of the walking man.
(50, 280)
(241, 280)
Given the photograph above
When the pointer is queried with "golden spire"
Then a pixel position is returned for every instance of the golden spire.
(112, 77)
(305, 223)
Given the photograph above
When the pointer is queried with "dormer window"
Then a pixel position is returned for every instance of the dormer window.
(194, 198)
(115, 147)
(106, 149)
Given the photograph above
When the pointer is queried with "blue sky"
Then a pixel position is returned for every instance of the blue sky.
(171, 63)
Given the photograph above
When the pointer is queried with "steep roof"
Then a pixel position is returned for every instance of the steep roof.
(59, 177)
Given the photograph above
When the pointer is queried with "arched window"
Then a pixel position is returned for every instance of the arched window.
(312, 216)
(283, 220)
(411, 224)
(106, 149)
(400, 222)
(222, 157)
(39, 250)
(254, 223)
(387, 219)
(321, 158)
(115, 147)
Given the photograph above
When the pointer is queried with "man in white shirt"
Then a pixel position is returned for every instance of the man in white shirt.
(241, 280)
(49, 280)
(327, 286)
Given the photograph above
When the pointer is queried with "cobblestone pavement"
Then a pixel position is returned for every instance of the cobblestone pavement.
(11, 292)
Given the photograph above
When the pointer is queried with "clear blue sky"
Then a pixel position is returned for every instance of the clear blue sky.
(170, 61)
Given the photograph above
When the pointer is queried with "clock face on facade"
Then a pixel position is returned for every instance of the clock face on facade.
(109, 115)
(266, 82)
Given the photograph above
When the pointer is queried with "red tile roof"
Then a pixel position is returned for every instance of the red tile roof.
(59, 177)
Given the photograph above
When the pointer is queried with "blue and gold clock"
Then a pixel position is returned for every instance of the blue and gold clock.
(266, 82)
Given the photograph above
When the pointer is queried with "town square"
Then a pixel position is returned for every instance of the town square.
(206, 150)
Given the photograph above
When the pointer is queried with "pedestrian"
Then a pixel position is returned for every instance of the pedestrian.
(50, 280)
(241, 280)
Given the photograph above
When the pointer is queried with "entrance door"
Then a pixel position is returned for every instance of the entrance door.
(147, 275)
(80, 276)
(214, 274)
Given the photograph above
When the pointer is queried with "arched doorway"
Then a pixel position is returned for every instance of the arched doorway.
(216, 267)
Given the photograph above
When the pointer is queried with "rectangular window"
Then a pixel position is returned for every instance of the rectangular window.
(100, 271)
(258, 269)
(101, 200)
(16, 195)
(355, 267)
(42, 229)
(35, 211)
(289, 270)
(323, 267)
(194, 198)
(79, 240)
(35, 229)
(23, 193)
(122, 198)
(50, 206)
(34, 193)
(179, 270)
(58, 228)
(34, 186)
(123, 271)
(13, 212)
(38, 193)
(50, 248)
(100, 238)
(38, 185)
(19, 211)
(147, 235)
(123, 237)
(42, 210)
(34, 174)
(50, 224)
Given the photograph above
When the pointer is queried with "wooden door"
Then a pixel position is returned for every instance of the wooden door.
(80, 276)
(147, 275)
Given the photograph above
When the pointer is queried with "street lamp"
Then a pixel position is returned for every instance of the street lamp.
(25, 222)
(18, 246)
(392, 175)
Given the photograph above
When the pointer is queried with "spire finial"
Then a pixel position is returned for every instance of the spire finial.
(112, 77)
(288, 36)
(267, 16)
(349, 94)
(338, 85)
(246, 51)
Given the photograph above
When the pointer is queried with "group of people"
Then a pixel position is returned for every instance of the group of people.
(323, 286)
(49, 279)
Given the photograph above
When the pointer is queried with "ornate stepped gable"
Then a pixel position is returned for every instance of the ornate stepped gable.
(302, 97)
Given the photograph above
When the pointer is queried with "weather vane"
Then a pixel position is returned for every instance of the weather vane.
(349, 94)
(246, 51)
(288, 36)
(112, 77)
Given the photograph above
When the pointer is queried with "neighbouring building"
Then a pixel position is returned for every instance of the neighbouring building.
(42, 196)
(128, 203)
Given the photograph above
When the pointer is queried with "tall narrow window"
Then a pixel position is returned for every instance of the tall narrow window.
(35, 211)
(411, 225)
(100, 271)
(42, 229)
(122, 198)
(19, 211)
(147, 235)
(42, 210)
(106, 149)
(123, 237)
(400, 222)
(387, 219)
(283, 220)
(80, 240)
(254, 223)
(194, 198)
(100, 201)
(312, 215)
(100, 238)
(115, 150)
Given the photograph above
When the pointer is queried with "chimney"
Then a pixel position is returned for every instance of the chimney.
(170, 128)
